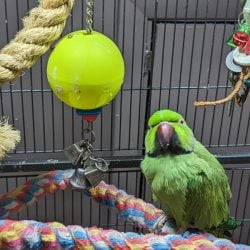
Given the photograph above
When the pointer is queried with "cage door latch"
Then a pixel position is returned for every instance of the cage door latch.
(147, 61)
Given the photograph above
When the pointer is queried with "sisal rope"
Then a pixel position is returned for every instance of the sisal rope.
(9, 137)
(41, 28)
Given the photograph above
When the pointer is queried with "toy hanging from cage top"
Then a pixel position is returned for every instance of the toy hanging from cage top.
(238, 63)
(86, 71)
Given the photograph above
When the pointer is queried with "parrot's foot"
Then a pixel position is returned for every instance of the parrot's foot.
(159, 223)
(164, 225)
(191, 229)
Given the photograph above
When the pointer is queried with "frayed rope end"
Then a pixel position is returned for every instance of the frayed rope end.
(9, 137)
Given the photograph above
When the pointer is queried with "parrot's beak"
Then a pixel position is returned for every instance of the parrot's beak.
(164, 134)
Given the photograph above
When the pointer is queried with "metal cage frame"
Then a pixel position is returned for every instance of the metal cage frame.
(174, 53)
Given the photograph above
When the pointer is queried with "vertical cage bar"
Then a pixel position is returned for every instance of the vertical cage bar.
(101, 134)
(8, 39)
(26, 179)
(209, 75)
(150, 73)
(238, 194)
(32, 102)
(232, 115)
(163, 53)
(63, 207)
(191, 59)
(223, 110)
(112, 103)
(247, 129)
(122, 89)
(245, 206)
(63, 126)
(248, 234)
(21, 91)
(53, 122)
(239, 123)
(16, 183)
(201, 59)
(117, 215)
(173, 52)
(43, 113)
(142, 70)
(149, 85)
(132, 75)
(182, 55)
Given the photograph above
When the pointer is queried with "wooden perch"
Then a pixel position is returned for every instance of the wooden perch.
(235, 91)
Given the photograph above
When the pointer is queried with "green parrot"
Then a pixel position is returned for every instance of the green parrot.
(184, 176)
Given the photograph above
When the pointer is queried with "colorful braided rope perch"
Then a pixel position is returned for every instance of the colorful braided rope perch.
(53, 235)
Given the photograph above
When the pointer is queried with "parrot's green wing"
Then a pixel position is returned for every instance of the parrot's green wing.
(206, 203)
(208, 191)
(214, 164)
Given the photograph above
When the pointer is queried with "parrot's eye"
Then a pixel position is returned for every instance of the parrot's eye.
(181, 121)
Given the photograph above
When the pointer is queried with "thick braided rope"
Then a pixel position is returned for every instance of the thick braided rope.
(37, 235)
(43, 26)
(145, 215)
(32, 190)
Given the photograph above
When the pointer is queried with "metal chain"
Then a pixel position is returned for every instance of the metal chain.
(89, 18)
(89, 130)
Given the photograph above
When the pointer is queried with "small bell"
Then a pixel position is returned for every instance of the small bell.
(74, 153)
(79, 181)
(95, 170)
(92, 173)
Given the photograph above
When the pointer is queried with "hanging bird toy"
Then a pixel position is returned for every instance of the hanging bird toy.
(238, 63)
(86, 71)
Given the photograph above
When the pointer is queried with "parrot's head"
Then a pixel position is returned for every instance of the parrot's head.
(168, 133)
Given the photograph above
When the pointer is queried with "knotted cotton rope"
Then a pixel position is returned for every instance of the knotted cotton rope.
(143, 214)
(41, 27)
(37, 235)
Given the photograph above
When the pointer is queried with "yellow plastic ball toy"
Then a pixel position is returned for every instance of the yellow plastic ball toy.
(85, 71)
